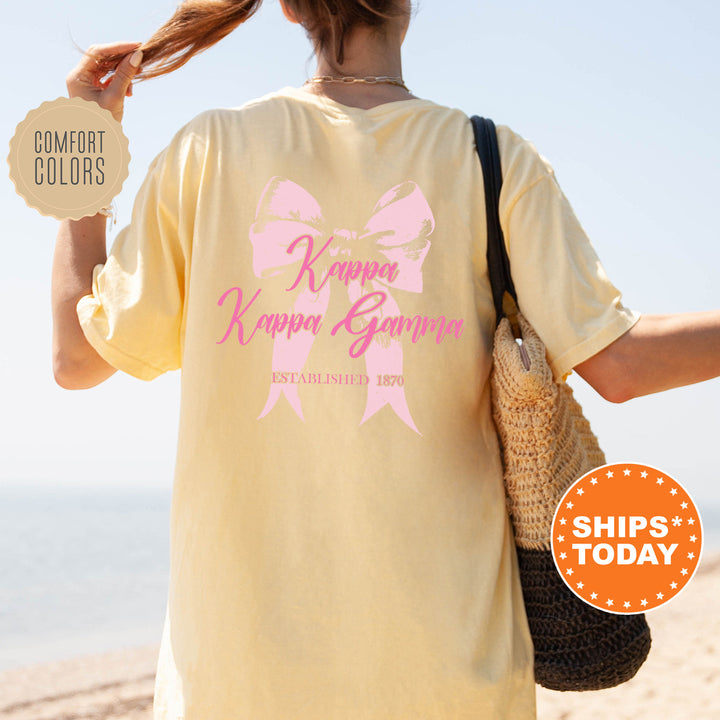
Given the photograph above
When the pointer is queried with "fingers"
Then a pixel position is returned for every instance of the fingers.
(96, 61)
(119, 84)
(100, 77)
(96, 54)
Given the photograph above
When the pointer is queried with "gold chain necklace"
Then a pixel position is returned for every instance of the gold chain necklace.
(350, 79)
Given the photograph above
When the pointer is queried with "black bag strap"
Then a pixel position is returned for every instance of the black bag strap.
(497, 258)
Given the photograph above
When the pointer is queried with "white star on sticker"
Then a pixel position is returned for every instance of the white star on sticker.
(593, 596)
(569, 505)
(609, 473)
(691, 521)
(593, 481)
(659, 596)
(560, 538)
(580, 586)
(673, 585)
(643, 474)
(691, 555)
(626, 604)
(643, 602)
(563, 556)
(673, 491)
(609, 603)
(580, 491)
(626, 473)
(693, 538)
(660, 481)
(569, 571)
(683, 506)
(563, 521)
(684, 571)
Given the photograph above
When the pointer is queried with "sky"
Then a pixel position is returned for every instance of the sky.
(622, 98)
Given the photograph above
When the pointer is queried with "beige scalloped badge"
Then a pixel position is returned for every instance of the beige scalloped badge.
(69, 158)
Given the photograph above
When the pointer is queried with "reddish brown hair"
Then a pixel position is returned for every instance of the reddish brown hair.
(198, 24)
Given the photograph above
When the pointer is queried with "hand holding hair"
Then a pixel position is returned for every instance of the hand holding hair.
(89, 78)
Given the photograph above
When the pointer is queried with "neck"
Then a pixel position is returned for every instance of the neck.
(366, 55)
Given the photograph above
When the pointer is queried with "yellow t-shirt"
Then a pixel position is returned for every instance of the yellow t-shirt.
(340, 548)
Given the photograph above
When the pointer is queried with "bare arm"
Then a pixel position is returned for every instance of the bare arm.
(79, 247)
(81, 243)
(658, 353)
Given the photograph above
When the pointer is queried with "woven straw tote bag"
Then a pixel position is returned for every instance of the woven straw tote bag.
(546, 444)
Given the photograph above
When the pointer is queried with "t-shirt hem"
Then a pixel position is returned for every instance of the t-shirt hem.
(563, 365)
(118, 358)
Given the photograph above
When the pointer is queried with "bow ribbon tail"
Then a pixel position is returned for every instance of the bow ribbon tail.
(384, 356)
(291, 350)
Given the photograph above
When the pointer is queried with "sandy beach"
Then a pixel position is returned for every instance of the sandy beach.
(680, 680)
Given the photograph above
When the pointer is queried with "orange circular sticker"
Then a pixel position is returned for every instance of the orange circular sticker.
(69, 158)
(626, 538)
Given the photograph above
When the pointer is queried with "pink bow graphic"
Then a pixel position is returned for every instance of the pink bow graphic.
(396, 233)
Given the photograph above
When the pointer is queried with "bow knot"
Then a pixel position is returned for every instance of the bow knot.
(344, 241)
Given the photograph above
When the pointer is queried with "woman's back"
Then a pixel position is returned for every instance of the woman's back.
(340, 545)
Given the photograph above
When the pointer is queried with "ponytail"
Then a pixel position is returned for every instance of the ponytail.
(198, 24)
(194, 27)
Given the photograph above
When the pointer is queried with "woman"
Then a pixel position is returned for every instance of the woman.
(314, 261)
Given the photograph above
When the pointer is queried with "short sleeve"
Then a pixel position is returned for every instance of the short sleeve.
(563, 289)
(134, 314)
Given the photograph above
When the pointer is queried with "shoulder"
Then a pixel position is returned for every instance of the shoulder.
(198, 131)
(522, 164)
(198, 138)
(525, 172)
(216, 125)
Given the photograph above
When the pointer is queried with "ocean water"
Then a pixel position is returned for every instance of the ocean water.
(85, 570)
(82, 570)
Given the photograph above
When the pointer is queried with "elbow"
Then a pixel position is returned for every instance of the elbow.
(73, 374)
(76, 364)
(616, 392)
(67, 376)
(67, 382)
(611, 375)
(62, 372)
